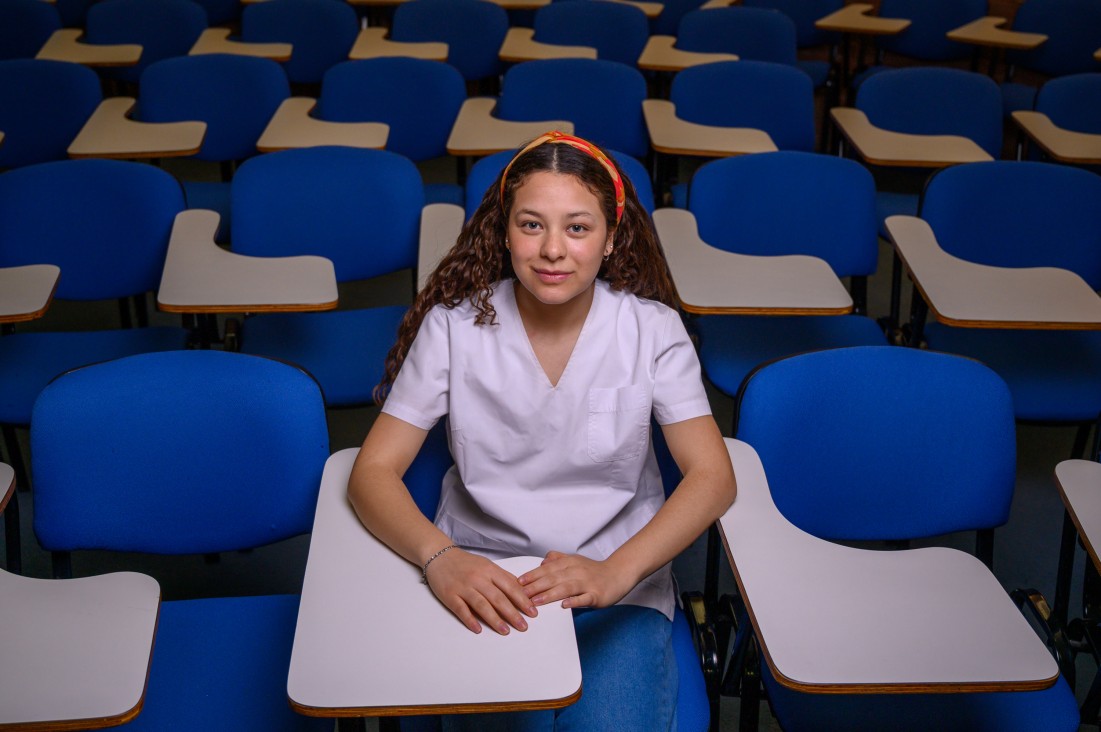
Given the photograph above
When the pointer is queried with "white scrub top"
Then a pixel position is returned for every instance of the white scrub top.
(538, 467)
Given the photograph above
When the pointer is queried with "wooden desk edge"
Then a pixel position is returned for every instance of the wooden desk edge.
(35, 315)
(6, 493)
(1032, 122)
(405, 711)
(711, 310)
(896, 163)
(230, 308)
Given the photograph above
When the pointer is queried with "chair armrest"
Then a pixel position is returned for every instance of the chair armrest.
(675, 136)
(441, 224)
(110, 133)
(884, 147)
(292, 126)
(27, 291)
(988, 32)
(856, 18)
(520, 45)
(216, 40)
(1066, 146)
(64, 45)
(477, 132)
(661, 54)
(373, 43)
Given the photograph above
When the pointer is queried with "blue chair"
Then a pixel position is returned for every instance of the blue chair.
(603, 99)
(39, 127)
(472, 29)
(106, 224)
(618, 32)
(891, 444)
(359, 208)
(321, 33)
(1072, 102)
(804, 13)
(669, 18)
(163, 28)
(24, 26)
(151, 483)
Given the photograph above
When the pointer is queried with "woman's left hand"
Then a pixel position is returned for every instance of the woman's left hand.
(576, 580)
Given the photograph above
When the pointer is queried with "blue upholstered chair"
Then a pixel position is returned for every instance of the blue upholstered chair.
(618, 32)
(128, 458)
(24, 26)
(321, 33)
(163, 28)
(1073, 103)
(472, 29)
(39, 127)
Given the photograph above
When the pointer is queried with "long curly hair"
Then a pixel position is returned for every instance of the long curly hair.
(479, 258)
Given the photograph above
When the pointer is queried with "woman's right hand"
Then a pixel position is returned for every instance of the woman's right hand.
(475, 589)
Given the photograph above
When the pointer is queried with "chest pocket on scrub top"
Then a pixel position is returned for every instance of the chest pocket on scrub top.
(618, 422)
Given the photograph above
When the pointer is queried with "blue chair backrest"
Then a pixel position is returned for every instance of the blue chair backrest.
(484, 173)
(424, 478)
(419, 99)
(618, 32)
(930, 20)
(105, 223)
(164, 28)
(603, 99)
(1018, 214)
(235, 95)
(672, 11)
(1073, 102)
(359, 208)
(24, 26)
(128, 454)
(39, 126)
(935, 101)
(472, 29)
(789, 203)
(803, 13)
(321, 33)
(880, 442)
(767, 96)
(1073, 28)
(755, 34)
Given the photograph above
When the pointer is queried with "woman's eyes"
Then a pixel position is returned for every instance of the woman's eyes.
(572, 228)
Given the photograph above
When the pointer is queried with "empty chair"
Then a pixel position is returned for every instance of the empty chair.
(804, 13)
(24, 26)
(151, 483)
(39, 127)
(1072, 102)
(321, 33)
(472, 29)
(163, 28)
(618, 32)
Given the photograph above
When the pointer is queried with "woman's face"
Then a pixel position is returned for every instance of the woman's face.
(558, 236)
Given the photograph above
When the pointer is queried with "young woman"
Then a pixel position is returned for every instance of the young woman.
(548, 337)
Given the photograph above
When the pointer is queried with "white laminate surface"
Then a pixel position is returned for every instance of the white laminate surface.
(1064, 145)
(373, 43)
(64, 45)
(372, 637)
(967, 294)
(884, 147)
(216, 40)
(836, 618)
(477, 132)
(671, 134)
(199, 276)
(75, 650)
(987, 31)
(710, 280)
(110, 133)
(661, 54)
(520, 45)
(855, 18)
(1079, 483)
(292, 126)
(440, 227)
(26, 291)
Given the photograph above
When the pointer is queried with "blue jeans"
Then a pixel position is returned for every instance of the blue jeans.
(629, 679)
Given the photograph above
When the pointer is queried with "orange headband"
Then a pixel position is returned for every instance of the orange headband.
(583, 146)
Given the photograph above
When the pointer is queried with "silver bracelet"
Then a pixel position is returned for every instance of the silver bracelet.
(434, 557)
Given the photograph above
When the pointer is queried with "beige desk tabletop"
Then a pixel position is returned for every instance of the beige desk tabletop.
(884, 147)
(110, 133)
(370, 634)
(26, 291)
(855, 18)
(1066, 146)
(216, 40)
(713, 281)
(712, 4)
(201, 277)
(521, 4)
(660, 54)
(64, 45)
(477, 132)
(675, 136)
(520, 45)
(836, 619)
(292, 127)
(970, 295)
(988, 32)
(372, 43)
(440, 227)
(651, 9)
(1079, 484)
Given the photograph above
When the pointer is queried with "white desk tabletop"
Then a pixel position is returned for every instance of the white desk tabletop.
(660, 54)
(440, 227)
(373, 43)
(216, 40)
(75, 652)
(855, 18)
(110, 133)
(372, 640)
(1079, 483)
(837, 619)
(477, 132)
(292, 126)
(710, 280)
(1066, 146)
(884, 147)
(201, 277)
(64, 45)
(26, 292)
(970, 295)
(673, 135)
(520, 45)
(987, 31)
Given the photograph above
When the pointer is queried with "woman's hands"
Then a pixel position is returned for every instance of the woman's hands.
(576, 580)
(475, 589)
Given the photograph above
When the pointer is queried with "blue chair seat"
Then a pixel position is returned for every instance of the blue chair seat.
(344, 350)
(28, 361)
(693, 710)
